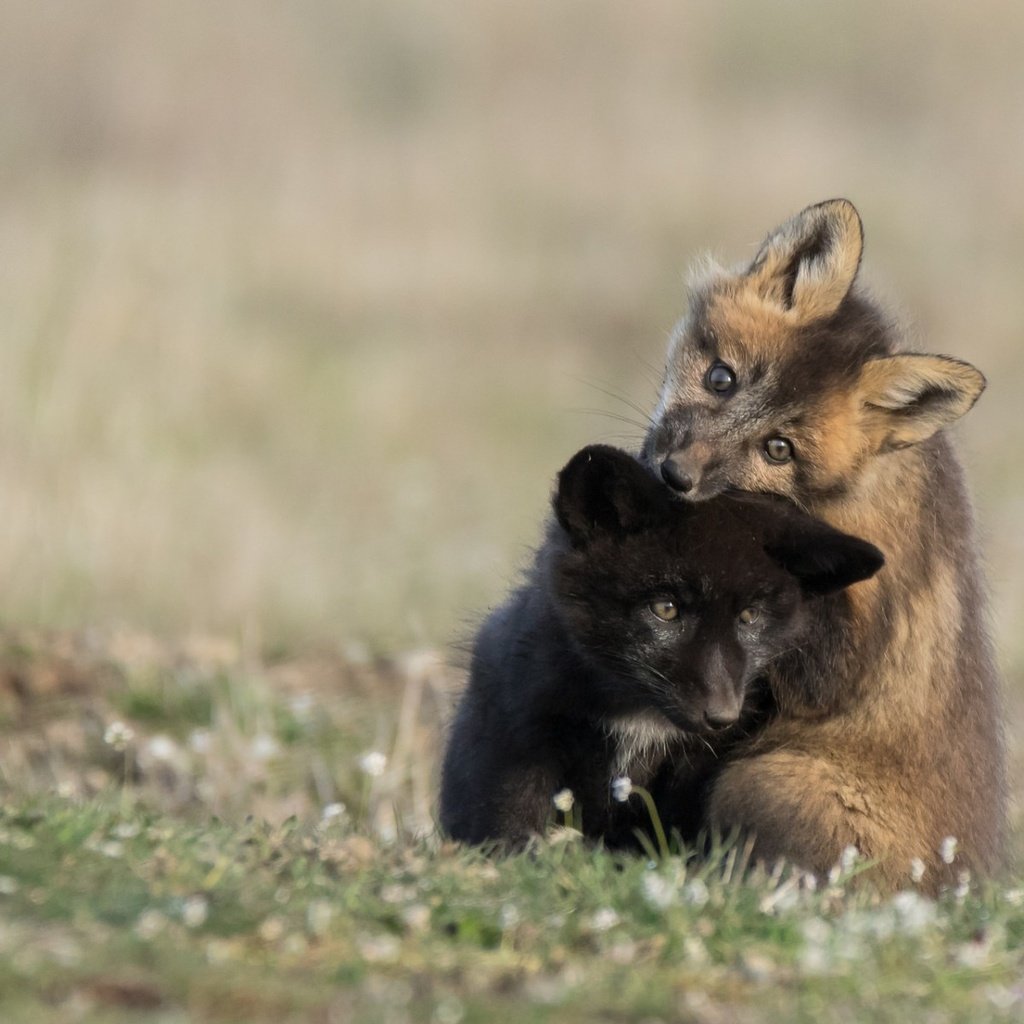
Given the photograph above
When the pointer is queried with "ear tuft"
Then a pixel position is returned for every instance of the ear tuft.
(604, 490)
(824, 560)
(907, 398)
(808, 265)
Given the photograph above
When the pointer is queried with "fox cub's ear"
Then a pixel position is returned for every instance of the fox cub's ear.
(907, 398)
(808, 264)
(604, 490)
(824, 560)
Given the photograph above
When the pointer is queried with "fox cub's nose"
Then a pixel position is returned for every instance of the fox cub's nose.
(676, 476)
(719, 718)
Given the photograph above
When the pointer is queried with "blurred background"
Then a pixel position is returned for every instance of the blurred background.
(304, 304)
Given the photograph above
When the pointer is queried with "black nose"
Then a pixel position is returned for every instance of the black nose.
(720, 719)
(675, 477)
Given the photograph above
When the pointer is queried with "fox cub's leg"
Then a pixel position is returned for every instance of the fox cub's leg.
(809, 808)
(494, 795)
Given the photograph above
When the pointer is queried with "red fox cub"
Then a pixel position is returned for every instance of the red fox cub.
(785, 378)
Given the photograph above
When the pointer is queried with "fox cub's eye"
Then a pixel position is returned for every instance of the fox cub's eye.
(720, 379)
(665, 610)
(778, 449)
(749, 615)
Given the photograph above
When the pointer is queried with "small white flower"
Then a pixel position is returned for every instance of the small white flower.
(848, 859)
(199, 740)
(1015, 897)
(604, 920)
(947, 849)
(916, 870)
(118, 735)
(563, 800)
(194, 911)
(150, 924)
(380, 949)
(318, 917)
(416, 917)
(162, 748)
(913, 911)
(373, 763)
(264, 747)
(659, 891)
(695, 893)
(621, 788)
(331, 811)
(963, 886)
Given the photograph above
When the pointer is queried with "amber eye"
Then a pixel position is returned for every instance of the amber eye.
(749, 615)
(665, 610)
(720, 379)
(778, 449)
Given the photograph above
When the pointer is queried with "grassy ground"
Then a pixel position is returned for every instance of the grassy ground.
(303, 306)
(194, 834)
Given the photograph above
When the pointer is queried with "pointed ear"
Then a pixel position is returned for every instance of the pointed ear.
(807, 265)
(604, 490)
(824, 560)
(908, 397)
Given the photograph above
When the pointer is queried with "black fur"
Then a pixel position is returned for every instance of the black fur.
(577, 657)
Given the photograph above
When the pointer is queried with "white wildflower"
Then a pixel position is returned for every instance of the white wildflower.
(604, 920)
(264, 747)
(916, 870)
(118, 735)
(621, 788)
(659, 891)
(373, 763)
(318, 917)
(150, 924)
(194, 911)
(695, 950)
(696, 893)
(199, 740)
(162, 748)
(848, 859)
(914, 912)
(963, 885)
(332, 811)
(563, 800)
(1015, 897)
(816, 955)
(947, 849)
(271, 929)
(416, 917)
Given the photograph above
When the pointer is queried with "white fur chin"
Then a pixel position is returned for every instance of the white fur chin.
(638, 737)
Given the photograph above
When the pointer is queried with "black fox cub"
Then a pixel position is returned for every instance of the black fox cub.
(785, 378)
(635, 647)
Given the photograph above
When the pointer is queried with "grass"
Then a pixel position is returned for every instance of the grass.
(188, 834)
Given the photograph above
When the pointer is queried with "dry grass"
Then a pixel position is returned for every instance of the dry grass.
(301, 303)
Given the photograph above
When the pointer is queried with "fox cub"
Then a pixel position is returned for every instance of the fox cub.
(784, 377)
(635, 648)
